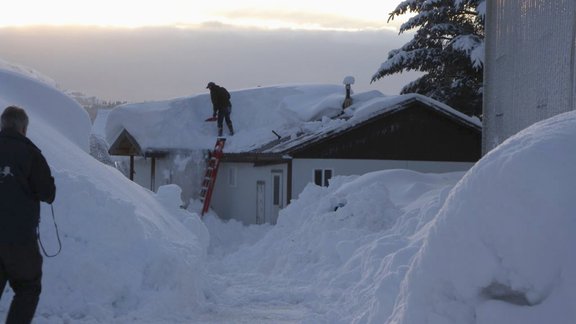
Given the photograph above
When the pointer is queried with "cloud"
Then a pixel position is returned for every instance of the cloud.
(158, 63)
(306, 20)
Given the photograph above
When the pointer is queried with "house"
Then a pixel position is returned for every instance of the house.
(530, 65)
(165, 142)
(408, 132)
(301, 135)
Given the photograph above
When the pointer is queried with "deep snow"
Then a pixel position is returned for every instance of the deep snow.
(125, 252)
(396, 246)
(259, 115)
(501, 249)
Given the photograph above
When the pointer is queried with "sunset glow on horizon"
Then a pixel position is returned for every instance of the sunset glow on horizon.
(294, 14)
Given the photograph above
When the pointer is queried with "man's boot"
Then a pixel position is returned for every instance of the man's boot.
(219, 131)
(230, 128)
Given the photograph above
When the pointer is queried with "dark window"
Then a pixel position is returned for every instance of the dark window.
(318, 177)
(276, 190)
(321, 177)
(327, 176)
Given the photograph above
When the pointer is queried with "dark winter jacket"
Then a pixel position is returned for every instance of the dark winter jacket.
(220, 98)
(25, 180)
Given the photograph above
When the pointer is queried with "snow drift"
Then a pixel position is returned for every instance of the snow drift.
(127, 253)
(400, 247)
(501, 250)
(335, 249)
(493, 246)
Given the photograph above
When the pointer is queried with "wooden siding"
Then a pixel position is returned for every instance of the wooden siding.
(414, 133)
(125, 144)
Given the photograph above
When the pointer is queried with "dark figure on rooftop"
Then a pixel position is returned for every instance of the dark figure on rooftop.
(221, 106)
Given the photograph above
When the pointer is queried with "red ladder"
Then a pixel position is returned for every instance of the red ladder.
(210, 175)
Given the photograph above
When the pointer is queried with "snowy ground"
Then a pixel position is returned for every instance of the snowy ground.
(492, 246)
(317, 264)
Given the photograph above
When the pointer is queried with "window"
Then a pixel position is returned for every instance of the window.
(327, 176)
(321, 176)
(278, 188)
(232, 176)
(276, 185)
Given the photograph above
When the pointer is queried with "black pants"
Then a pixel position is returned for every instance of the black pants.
(224, 114)
(21, 266)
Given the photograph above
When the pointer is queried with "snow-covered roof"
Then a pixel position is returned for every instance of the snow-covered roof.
(360, 113)
(294, 113)
(179, 124)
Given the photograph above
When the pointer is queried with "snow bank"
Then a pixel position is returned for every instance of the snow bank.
(52, 108)
(336, 249)
(502, 248)
(26, 71)
(128, 255)
(401, 247)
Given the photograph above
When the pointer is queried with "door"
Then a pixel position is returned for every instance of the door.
(260, 202)
(277, 194)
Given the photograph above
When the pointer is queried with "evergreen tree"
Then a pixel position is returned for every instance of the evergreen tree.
(448, 46)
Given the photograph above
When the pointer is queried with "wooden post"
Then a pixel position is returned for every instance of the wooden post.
(153, 174)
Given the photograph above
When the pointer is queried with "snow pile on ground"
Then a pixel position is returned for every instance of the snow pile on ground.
(502, 248)
(128, 254)
(31, 73)
(51, 107)
(335, 248)
(400, 247)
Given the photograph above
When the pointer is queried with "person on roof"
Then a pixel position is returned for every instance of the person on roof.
(221, 106)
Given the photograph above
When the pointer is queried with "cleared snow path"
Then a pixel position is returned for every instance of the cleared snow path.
(238, 295)
(250, 298)
(332, 252)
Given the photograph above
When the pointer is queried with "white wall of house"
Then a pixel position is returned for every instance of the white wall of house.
(530, 65)
(303, 170)
(247, 193)
(142, 172)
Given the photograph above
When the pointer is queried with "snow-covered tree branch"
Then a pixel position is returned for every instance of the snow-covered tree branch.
(448, 45)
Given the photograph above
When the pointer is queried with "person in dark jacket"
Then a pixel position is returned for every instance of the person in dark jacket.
(221, 106)
(25, 180)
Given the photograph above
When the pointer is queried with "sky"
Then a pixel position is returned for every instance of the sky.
(141, 51)
(360, 14)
